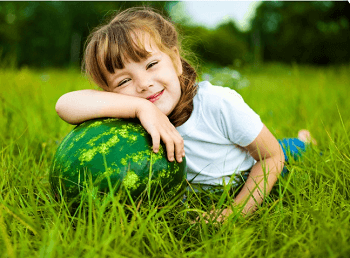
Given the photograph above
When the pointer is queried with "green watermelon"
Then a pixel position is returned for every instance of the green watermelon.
(115, 153)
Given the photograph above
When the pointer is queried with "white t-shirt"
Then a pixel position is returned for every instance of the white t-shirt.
(220, 123)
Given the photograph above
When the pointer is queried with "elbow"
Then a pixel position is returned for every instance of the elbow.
(59, 107)
(63, 111)
(281, 159)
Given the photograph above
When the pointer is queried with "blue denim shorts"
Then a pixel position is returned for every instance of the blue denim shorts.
(292, 148)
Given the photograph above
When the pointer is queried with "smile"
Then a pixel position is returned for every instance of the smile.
(155, 97)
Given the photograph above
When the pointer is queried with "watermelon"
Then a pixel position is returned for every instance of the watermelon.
(110, 153)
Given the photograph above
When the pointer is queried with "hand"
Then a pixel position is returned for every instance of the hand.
(216, 215)
(159, 127)
(220, 216)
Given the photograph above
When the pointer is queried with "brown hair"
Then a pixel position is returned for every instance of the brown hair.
(110, 45)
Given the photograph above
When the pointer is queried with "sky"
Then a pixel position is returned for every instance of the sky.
(212, 13)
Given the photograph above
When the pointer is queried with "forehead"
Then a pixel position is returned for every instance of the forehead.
(144, 45)
(144, 40)
(128, 46)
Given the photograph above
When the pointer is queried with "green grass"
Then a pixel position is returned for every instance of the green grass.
(307, 214)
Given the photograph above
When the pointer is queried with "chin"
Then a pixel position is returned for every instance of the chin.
(167, 113)
(164, 110)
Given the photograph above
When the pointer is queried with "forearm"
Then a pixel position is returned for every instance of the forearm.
(78, 106)
(260, 182)
(266, 150)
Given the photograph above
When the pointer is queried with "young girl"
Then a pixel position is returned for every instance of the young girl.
(136, 60)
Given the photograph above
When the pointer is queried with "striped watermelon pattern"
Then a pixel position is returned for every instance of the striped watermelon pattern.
(112, 152)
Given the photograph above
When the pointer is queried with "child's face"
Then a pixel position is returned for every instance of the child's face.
(155, 78)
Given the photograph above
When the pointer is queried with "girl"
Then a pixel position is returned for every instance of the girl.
(136, 60)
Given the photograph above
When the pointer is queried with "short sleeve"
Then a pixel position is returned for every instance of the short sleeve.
(239, 123)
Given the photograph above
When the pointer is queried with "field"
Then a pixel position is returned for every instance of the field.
(307, 214)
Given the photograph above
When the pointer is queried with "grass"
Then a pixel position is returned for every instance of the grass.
(307, 214)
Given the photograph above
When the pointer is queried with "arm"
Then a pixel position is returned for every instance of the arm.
(266, 150)
(78, 106)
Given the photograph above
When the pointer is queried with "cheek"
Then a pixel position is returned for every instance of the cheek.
(178, 70)
(125, 91)
(179, 92)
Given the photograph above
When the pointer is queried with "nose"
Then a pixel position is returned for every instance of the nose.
(143, 83)
(142, 87)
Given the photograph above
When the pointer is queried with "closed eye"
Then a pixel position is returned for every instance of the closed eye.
(123, 82)
(151, 64)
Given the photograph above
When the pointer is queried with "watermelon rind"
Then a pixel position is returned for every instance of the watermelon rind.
(110, 154)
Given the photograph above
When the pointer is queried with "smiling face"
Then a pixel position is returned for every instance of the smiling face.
(155, 78)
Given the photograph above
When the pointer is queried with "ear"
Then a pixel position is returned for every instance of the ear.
(177, 60)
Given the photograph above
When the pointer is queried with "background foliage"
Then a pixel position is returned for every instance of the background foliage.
(52, 34)
(315, 32)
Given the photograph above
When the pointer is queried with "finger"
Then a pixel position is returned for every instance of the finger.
(179, 149)
(169, 145)
(170, 150)
(155, 142)
(178, 144)
(204, 217)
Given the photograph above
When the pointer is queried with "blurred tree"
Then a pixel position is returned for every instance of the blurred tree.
(304, 32)
(224, 46)
(43, 34)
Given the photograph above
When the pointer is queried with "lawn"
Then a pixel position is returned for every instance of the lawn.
(307, 214)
